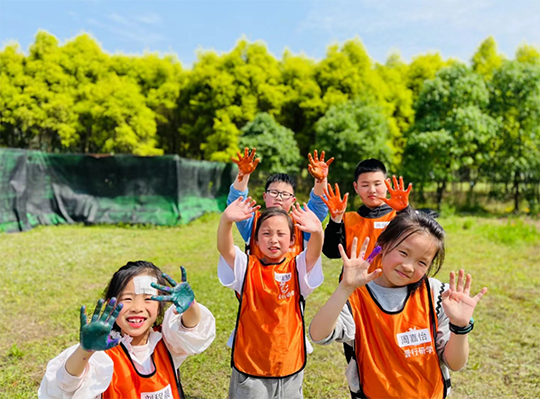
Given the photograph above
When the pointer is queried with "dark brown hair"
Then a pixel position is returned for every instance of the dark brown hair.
(404, 225)
(271, 212)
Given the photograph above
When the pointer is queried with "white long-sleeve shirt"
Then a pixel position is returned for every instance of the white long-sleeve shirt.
(179, 340)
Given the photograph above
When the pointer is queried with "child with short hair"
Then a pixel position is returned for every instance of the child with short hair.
(405, 328)
(125, 351)
(371, 184)
(279, 192)
(269, 347)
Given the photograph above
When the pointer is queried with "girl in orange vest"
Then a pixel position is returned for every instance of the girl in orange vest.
(406, 329)
(125, 351)
(269, 347)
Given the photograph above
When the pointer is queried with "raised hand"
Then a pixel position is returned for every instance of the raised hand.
(318, 168)
(399, 198)
(96, 335)
(240, 209)
(457, 301)
(305, 219)
(335, 204)
(246, 164)
(181, 295)
(355, 269)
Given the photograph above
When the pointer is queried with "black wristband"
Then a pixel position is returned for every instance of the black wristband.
(462, 330)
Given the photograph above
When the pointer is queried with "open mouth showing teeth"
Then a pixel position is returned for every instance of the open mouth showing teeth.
(136, 321)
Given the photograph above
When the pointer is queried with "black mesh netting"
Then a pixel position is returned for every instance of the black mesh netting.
(39, 188)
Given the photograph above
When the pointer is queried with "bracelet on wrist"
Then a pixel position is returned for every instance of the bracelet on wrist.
(462, 330)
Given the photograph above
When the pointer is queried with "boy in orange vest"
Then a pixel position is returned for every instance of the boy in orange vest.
(371, 184)
(279, 192)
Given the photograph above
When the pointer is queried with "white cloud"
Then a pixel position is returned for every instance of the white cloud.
(456, 25)
(131, 28)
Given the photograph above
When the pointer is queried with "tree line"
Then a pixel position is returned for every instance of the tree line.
(434, 120)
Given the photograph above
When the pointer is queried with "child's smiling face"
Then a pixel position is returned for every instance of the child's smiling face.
(139, 312)
(274, 238)
(409, 261)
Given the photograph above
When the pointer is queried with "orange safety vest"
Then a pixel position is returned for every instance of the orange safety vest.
(361, 227)
(395, 351)
(269, 339)
(295, 249)
(128, 383)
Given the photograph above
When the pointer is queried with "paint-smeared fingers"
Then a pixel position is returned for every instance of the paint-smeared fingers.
(401, 184)
(338, 192)
(364, 248)
(83, 317)
(160, 287)
(396, 185)
(330, 190)
(322, 156)
(115, 314)
(329, 161)
(376, 251)
(171, 280)
(184, 274)
(315, 156)
(388, 184)
(253, 151)
(97, 310)
(161, 298)
(108, 309)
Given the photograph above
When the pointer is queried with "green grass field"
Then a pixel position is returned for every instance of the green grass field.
(49, 272)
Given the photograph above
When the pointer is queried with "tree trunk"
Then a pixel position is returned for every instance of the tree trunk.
(516, 192)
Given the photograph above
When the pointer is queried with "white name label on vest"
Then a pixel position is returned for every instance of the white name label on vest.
(164, 393)
(414, 337)
(282, 277)
(381, 225)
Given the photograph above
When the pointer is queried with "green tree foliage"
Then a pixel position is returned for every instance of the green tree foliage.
(351, 132)
(453, 108)
(528, 54)
(276, 146)
(422, 68)
(223, 93)
(515, 99)
(486, 59)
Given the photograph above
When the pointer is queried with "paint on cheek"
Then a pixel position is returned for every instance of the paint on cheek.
(143, 285)
(376, 251)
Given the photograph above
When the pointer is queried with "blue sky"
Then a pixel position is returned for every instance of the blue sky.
(453, 27)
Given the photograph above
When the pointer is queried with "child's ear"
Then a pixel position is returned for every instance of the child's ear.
(355, 187)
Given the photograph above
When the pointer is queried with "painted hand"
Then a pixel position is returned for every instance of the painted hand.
(457, 301)
(96, 335)
(318, 168)
(246, 164)
(240, 209)
(305, 219)
(355, 269)
(399, 198)
(335, 205)
(181, 295)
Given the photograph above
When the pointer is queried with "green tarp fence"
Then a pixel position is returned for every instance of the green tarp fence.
(39, 188)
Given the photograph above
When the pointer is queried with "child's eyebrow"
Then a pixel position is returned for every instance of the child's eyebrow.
(127, 293)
